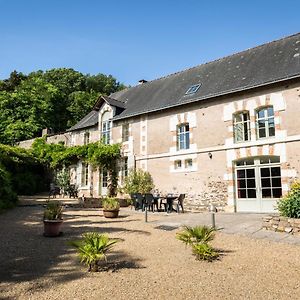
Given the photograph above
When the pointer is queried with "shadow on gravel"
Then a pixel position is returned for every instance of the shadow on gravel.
(119, 260)
(26, 255)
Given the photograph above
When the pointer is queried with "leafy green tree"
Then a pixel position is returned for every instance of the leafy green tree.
(56, 99)
(12, 82)
(26, 111)
(81, 103)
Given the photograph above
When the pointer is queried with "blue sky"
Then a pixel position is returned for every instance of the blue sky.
(135, 39)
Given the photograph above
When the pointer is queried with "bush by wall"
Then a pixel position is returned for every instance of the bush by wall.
(8, 197)
(289, 206)
(21, 173)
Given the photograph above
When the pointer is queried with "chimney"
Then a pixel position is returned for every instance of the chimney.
(142, 81)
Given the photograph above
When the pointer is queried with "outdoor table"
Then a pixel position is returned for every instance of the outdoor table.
(169, 199)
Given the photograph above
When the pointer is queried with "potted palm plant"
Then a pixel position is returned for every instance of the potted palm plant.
(111, 207)
(53, 218)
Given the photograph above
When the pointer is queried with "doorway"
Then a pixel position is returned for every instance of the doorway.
(258, 184)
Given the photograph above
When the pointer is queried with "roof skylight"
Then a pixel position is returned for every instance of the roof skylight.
(193, 89)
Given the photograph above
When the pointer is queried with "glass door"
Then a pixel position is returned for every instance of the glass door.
(258, 184)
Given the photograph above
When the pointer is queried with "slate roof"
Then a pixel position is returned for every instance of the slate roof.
(91, 119)
(266, 64)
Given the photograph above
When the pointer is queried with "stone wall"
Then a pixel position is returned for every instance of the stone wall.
(215, 194)
(282, 224)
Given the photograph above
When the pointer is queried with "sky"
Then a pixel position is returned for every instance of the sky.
(134, 40)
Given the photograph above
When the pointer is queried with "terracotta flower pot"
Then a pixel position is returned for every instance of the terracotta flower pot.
(110, 213)
(52, 227)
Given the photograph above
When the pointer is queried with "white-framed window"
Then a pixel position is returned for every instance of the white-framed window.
(177, 164)
(125, 132)
(124, 168)
(265, 125)
(104, 180)
(188, 163)
(106, 128)
(86, 138)
(241, 127)
(183, 136)
(84, 174)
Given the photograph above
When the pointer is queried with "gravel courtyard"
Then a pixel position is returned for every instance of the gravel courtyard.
(146, 263)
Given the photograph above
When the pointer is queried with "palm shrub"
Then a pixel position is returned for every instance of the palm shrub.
(92, 248)
(198, 238)
(289, 206)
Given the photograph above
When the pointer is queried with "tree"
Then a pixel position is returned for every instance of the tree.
(57, 99)
(12, 82)
(27, 110)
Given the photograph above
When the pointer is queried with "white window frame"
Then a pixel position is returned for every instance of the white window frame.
(266, 119)
(84, 174)
(86, 138)
(244, 125)
(125, 132)
(183, 136)
(256, 164)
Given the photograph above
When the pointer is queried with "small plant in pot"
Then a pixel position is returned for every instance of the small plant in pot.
(53, 219)
(111, 207)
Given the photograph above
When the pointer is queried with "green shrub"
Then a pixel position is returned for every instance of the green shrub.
(197, 234)
(110, 203)
(63, 180)
(198, 237)
(8, 197)
(93, 248)
(289, 206)
(53, 211)
(203, 251)
(26, 183)
(138, 181)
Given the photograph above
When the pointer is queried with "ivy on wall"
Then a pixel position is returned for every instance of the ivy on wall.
(99, 155)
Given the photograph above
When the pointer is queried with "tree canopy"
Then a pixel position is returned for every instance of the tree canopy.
(56, 99)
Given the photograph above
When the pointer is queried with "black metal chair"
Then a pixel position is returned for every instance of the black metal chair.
(139, 202)
(149, 202)
(179, 203)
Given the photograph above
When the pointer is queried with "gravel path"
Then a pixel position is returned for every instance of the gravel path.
(147, 263)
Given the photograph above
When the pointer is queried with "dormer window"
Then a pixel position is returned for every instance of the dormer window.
(193, 89)
(86, 138)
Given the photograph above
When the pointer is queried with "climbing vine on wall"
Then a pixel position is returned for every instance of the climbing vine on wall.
(99, 155)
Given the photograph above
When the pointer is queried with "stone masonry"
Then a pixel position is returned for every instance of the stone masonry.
(282, 224)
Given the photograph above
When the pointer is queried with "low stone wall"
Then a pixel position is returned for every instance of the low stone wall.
(282, 224)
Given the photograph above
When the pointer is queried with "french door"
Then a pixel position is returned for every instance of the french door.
(258, 184)
(103, 182)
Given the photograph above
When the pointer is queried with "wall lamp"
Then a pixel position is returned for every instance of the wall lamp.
(210, 155)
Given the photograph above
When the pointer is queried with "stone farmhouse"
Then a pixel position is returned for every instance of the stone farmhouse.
(225, 132)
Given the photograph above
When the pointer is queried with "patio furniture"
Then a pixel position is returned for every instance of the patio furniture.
(167, 201)
(54, 190)
(149, 202)
(179, 203)
(72, 191)
(139, 201)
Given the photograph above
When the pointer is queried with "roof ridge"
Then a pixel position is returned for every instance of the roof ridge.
(215, 60)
